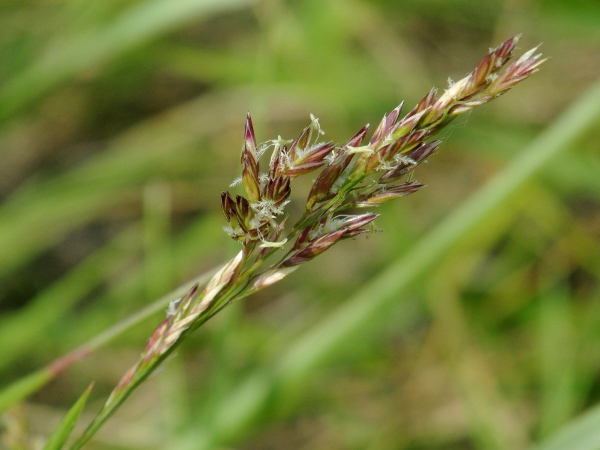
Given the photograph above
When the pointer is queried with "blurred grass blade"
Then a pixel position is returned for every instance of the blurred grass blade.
(352, 317)
(137, 25)
(582, 433)
(24, 387)
(102, 182)
(558, 391)
(20, 331)
(62, 432)
(190, 247)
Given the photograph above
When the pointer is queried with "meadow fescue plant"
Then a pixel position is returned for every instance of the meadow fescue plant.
(348, 178)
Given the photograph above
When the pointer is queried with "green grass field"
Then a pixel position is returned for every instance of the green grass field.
(472, 321)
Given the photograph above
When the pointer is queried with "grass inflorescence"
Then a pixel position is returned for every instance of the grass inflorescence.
(358, 174)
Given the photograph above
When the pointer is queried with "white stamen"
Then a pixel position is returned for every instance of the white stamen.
(330, 157)
(263, 179)
(405, 160)
(172, 308)
(266, 209)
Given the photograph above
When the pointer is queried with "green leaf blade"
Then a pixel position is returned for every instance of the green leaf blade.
(62, 432)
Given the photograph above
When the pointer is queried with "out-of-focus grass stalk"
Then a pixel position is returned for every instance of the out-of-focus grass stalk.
(26, 386)
(137, 25)
(47, 307)
(240, 408)
(79, 196)
(188, 246)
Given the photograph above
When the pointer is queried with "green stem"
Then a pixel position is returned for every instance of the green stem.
(31, 383)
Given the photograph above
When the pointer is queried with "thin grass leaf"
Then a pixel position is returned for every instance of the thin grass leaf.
(33, 382)
(62, 432)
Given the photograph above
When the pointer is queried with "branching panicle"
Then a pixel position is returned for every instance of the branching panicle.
(352, 175)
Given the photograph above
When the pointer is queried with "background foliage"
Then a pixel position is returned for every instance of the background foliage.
(121, 122)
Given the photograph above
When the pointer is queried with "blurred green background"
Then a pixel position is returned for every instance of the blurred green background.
(121, 122)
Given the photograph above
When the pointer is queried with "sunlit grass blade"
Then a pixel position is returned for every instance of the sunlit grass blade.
(581, 433)
(559, 387)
